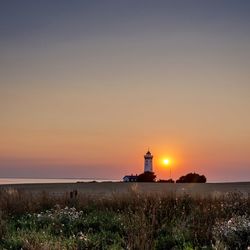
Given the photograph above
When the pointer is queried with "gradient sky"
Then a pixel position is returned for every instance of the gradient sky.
(87, 86)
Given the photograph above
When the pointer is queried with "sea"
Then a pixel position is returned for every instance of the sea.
(4, 181)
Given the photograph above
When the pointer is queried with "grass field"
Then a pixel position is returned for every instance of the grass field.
(106, 188)
(125, 216)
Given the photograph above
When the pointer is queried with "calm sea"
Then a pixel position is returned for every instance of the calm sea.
(28, 180)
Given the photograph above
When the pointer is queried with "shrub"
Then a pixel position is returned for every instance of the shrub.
(146, 177)
(192, 177)
(234, 233)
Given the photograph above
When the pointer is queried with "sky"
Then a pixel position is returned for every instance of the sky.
(86, 87)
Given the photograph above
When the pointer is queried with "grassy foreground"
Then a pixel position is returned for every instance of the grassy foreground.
(130, 220)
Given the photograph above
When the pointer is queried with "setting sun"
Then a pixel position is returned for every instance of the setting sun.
(166, 161)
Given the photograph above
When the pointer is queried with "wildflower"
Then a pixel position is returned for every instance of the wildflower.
(81, 236)
(233, 232)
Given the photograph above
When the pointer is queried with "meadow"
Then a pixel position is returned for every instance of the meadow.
(134, 219)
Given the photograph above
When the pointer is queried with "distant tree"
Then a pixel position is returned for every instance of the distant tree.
(146, 177)
(167, 181)
(192, 177)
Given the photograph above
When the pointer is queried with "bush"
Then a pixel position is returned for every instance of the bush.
(94, 230)
(233, 233)
(146, 177)
(192, 177)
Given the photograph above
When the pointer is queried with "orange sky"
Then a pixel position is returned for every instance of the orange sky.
(86, 95)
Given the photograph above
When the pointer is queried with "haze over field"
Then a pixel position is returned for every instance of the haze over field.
(87, 86)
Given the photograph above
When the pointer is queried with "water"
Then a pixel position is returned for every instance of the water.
(33, 180)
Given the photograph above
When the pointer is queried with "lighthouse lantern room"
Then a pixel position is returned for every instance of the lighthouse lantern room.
(148, 162)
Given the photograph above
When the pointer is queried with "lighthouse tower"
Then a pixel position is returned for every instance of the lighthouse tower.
(148, 162)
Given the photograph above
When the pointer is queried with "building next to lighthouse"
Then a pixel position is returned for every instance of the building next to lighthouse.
(130, 178)
(148, 167)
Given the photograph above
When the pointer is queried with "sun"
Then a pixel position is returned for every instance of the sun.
(166, 161)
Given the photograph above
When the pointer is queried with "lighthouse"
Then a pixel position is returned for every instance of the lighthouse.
(148, 162)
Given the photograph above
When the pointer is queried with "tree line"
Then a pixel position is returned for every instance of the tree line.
(188, 178)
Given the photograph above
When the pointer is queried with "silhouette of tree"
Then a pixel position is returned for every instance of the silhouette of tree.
(146, 177)
(192, 177)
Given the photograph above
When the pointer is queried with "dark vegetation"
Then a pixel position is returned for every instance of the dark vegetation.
(188, 178)
(131, 220)
(192, 177)
(146, 177)
(166, 181)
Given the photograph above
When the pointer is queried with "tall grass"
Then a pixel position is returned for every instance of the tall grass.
(122, 221)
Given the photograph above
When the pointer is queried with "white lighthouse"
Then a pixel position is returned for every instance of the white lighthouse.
(148, 162)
